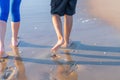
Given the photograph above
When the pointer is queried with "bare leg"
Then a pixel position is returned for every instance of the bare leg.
(2, 36)
(68, 21)
(58, 28)
(15, 29)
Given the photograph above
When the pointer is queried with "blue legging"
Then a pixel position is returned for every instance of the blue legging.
(10, 5)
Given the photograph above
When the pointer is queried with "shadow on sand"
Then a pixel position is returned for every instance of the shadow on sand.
(77, 45)
(112, 60)
(27, 44)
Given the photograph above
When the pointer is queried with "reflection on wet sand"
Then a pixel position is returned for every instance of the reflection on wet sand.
(16, 71)
(3, 65)
(65, 69)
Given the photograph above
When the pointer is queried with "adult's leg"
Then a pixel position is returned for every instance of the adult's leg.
(15, 29)
(2, 36)
(68, 21)
(4, 6)
(15, 24)
(58, 28)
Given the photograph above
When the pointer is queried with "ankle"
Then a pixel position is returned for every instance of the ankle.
(14, 42)
(14, 39)
(1, 51)
(66, 42)
(60, 39)
(1, 47)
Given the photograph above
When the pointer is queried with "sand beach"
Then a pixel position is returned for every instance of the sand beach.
(94, 54)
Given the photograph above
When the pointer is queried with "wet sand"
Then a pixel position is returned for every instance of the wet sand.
(94, 54)
(107, 10)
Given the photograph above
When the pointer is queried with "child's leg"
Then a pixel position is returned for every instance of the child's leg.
(68, 21)
(58, 28)
(15, 24)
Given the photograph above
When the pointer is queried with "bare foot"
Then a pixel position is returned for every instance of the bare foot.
(56, 46)
(1, 51)
(3, 55)
(67, 45)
